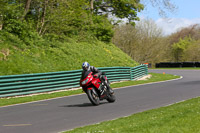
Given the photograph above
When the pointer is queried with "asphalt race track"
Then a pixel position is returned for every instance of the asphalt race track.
(66, 113)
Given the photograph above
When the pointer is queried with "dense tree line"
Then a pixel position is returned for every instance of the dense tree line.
(186, 44)
(61, 18)
(145, 43)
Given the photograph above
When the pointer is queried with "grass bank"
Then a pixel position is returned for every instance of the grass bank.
(16, 100)
(41, 55)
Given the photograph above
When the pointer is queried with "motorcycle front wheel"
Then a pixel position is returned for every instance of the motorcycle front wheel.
(93, 96)
(111, 98)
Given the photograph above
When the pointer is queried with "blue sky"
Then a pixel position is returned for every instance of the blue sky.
(187, 13)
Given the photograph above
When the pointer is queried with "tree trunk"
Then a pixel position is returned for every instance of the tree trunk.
(26, 8)
(43, 16)
(38, 19)
(91, 6)
(1, 22)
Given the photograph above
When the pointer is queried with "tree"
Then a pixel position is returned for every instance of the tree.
(144, 42)
(181, 41)
(117, 8)
(150, 41)
(66, 18)
(192, 52)
(180, 47)
(10, 14)
(192, 31)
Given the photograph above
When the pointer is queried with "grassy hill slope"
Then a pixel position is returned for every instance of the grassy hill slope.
(39, 55)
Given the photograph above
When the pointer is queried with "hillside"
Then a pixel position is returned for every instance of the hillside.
(40, 55)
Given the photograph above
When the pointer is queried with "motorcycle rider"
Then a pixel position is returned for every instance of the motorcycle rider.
(86, 67)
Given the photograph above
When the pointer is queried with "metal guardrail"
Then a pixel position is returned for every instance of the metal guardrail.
(13, 85)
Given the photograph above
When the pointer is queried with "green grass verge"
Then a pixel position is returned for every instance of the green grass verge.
(16, 100)
(178, 118)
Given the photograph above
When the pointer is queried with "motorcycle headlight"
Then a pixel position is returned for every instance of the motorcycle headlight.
(84, 82)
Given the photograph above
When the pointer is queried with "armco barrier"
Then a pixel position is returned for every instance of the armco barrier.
(13, 85)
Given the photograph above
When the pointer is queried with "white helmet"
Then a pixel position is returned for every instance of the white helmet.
(85, 66)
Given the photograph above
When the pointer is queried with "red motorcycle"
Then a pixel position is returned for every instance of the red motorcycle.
(95, 89)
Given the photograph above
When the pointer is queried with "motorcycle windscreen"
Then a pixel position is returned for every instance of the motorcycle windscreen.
(85, 74)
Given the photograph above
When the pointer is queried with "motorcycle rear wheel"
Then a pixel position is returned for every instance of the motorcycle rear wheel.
(93, 96)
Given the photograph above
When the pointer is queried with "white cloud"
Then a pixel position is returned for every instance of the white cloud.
(173, 24)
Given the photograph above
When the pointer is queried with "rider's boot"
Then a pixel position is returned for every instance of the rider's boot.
(108, 86)
(110, 89)
(105, 82)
